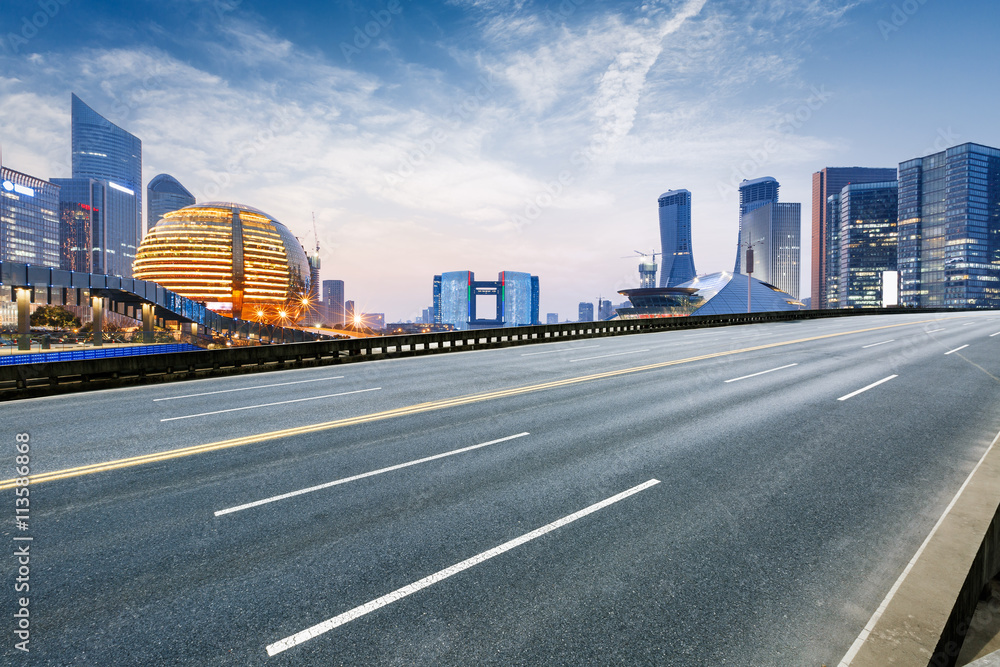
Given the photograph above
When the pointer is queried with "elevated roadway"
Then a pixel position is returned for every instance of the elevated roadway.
(745, 496)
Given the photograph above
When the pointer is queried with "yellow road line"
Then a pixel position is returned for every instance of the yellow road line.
(408, 410)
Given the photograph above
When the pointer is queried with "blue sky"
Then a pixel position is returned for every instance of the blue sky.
(492, 135)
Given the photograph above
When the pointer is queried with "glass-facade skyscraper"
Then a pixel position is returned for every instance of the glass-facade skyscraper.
(103, 151)
(515, 297)
(774, 229)
(95, 217)
(949, 228)
(333, 300)
(29, 219)
(866, 239)
(164, 194)
(675, 238)
(826, 183)
(753, 194)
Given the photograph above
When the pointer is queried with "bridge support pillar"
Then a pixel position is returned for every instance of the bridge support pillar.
(147, 322)
(23, 318)
(97, 323)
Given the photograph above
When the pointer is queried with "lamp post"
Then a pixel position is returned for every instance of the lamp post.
(749, 269)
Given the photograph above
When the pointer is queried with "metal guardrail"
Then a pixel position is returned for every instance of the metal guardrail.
(94, 353)
(29, 380)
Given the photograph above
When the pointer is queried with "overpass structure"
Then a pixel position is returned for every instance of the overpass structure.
(141, 300)
(814, 488)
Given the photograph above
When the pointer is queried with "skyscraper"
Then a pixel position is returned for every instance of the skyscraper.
(105, 152)
(827, 182)
(753, 194)
(165, 194)
(675, 238)
(774, 229)
(949, 228)
(586, 312)
(536, 297)
(93, 218)
(867, 239)
(29, 219)
(436, 301)
(333, 301)
(459, 295)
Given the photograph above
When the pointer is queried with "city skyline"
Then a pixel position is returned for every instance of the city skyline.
(497, 134)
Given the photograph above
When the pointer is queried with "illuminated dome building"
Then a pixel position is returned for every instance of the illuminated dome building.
(234, 258)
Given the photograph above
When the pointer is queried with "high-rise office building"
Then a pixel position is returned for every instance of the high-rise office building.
(826, 183)
(349, 312)
(604, 310)
(333, 301)
(675, 238)
(29, 219)
(105, 152)
(436, 301)
(92, 216)
(586, 312)
(536, 297)
(863, 231)
(647, 273)
(774, 229)
(552, 318)
(165, 194)
(949, 228)
(753, 194)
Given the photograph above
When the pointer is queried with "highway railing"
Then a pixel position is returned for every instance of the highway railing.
(46, 378)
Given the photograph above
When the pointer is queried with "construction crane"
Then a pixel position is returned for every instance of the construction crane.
(647, 270)
(316, 234)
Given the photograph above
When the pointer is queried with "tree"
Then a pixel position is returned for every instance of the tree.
(56, 317)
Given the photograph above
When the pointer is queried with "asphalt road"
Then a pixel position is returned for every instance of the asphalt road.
(693, 501)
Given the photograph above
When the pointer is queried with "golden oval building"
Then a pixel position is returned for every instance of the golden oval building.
(232, 257)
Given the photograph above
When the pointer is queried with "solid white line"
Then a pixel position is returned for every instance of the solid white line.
(864, 347)
(956, 350)
(996, 334)
(385, 600)
(864, 389)
(605, 356)
(568, 349)
(761, 373)
(262, 386)
(345, 480)
(859, 642)
(267, 405)
(934, 330)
